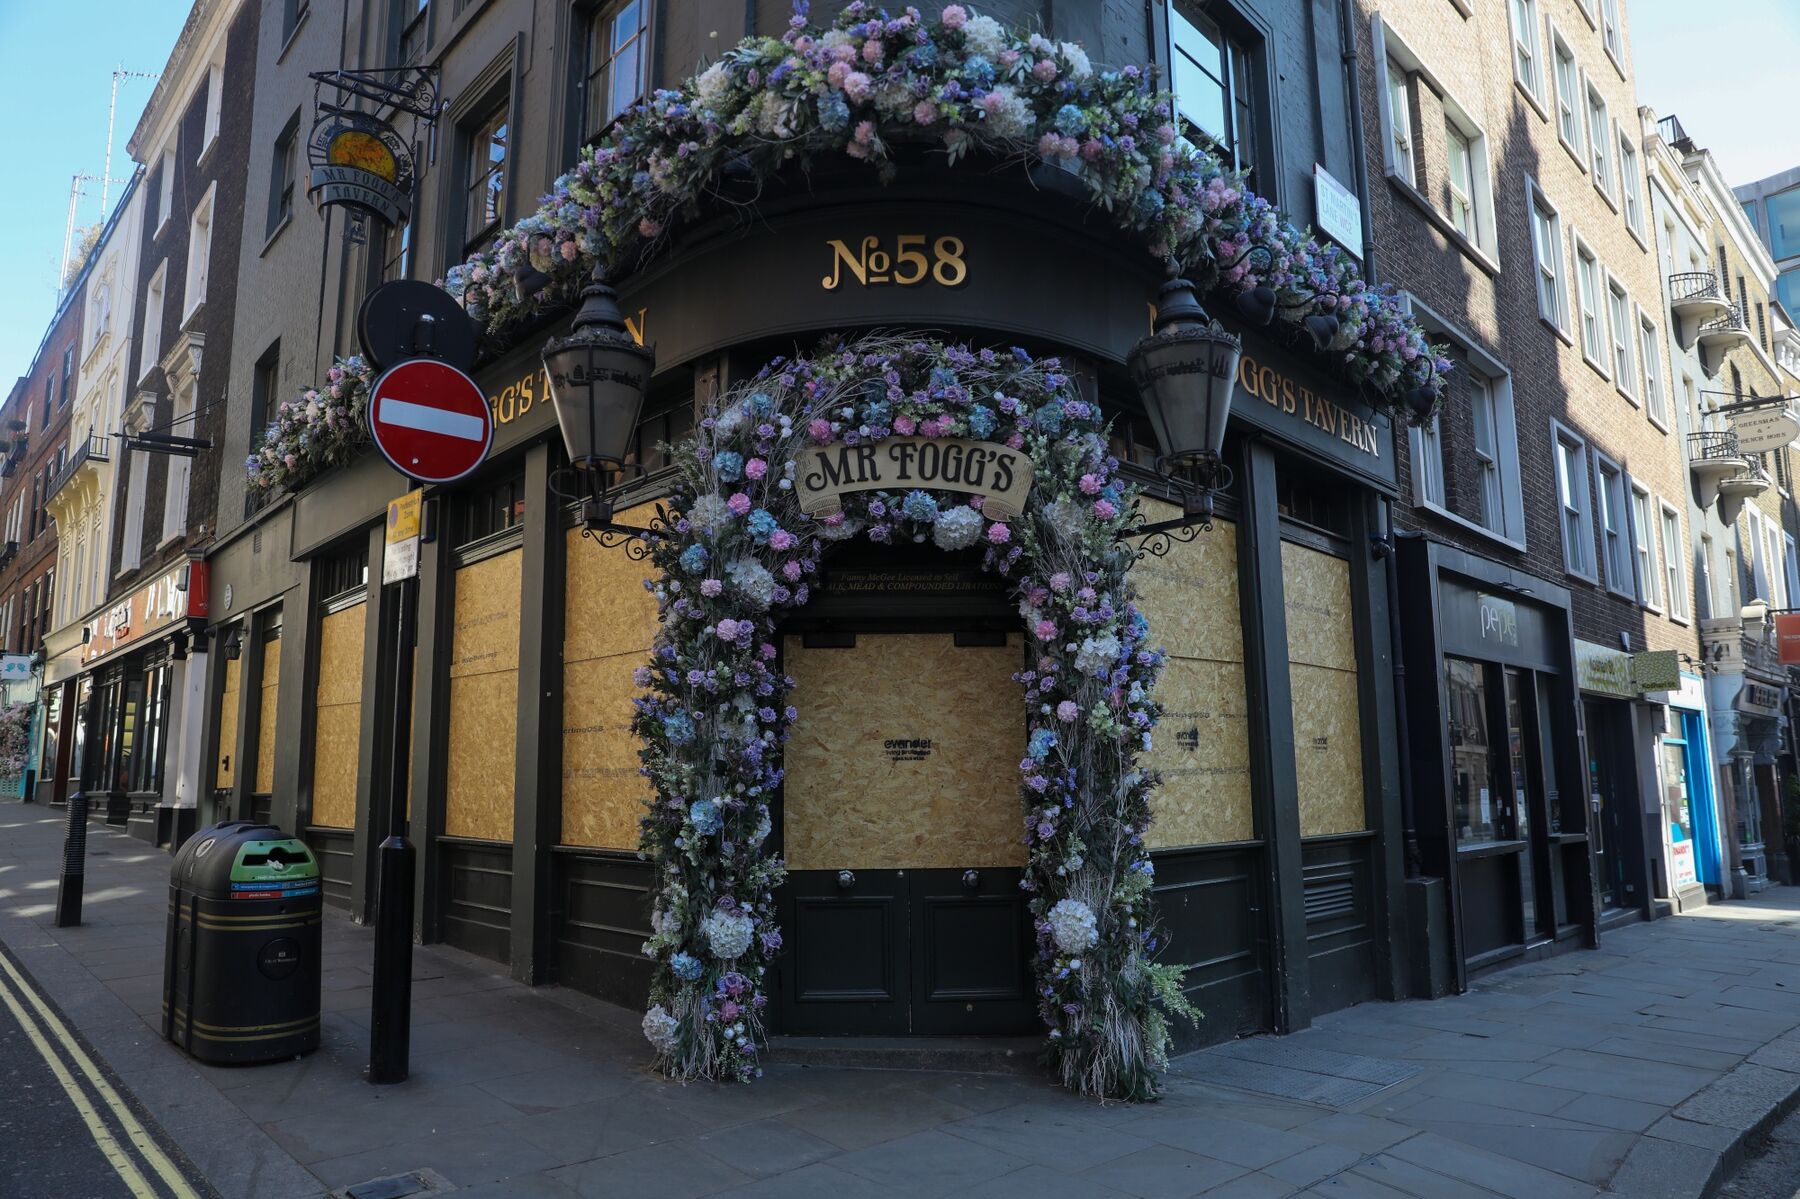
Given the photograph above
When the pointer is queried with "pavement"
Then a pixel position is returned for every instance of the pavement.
(1643, 1069)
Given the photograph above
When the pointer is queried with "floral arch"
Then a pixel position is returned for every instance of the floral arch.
(740, 552)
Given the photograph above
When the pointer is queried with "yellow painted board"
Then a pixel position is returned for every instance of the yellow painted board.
(905, 755)
(603, 794)
(341, 657)
(266, 730)
(1202, 749)
(225, 773)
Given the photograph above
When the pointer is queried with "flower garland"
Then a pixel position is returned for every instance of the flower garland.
(318, 429)
(857, 90)
(716, 711)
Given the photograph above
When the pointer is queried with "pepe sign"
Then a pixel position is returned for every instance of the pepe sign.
(1002, 476)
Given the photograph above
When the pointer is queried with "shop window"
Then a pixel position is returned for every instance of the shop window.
(1577, 511)
(1215, 87)
(1311, 498)
(613, 71)
(491, 509)
(1644, 535)
(343, 573)
(1526, 67)
(1615, 533)
(1472, 759)
(1546, 251)
(484, 175)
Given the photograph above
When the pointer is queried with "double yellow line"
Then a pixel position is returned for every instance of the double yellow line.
(47, 1031)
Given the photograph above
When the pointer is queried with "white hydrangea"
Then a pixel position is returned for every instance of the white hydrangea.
(753, 579)
(1007, 114)
(1073, 926)
(713, 84)
(984, 36)
(659, 1029)
(842, 531)
(1066, 517)
(727, 933)
(1077, 58)
(728, 422)
(957, 528)
(1096, 656)
(662, 920)
(709, 514)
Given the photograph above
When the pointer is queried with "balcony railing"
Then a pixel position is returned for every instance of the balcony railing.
(1695, 287)
(1731, 321)
(95, 449)
(1713, 445)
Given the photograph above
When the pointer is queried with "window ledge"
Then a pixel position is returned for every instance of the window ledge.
(1661, 423)
(1680, 620)
(1629, 398)
(1562, 334)
(1596, 366)
(1462, 522)
(275, 232)
(192, 316)
(1610, 57)
(1607, 195)
(1574, 152)
(1627, 596)
(1531, 97)
(1637, 235)
(1653, 609)
(1586, 580)
(1442, 224)
(203, 159)
(293, 34)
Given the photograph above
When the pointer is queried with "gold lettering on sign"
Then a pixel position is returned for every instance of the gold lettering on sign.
(906, 265)
(1294, 399)
(532, 388)
(996, 472)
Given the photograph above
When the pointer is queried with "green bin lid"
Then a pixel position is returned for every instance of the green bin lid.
(284, 859)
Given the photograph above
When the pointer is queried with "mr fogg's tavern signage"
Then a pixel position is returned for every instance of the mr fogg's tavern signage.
(1001, 475)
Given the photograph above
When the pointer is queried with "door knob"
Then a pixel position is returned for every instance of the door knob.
(846, 879)
(971, 879)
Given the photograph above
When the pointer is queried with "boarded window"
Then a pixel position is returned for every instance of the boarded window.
(484, 699)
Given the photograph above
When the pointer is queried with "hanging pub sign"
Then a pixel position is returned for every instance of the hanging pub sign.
(1002, 476)
(1787, 637)
(357, 158)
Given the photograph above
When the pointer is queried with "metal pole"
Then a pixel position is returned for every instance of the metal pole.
(74, 868)
(390, 1023)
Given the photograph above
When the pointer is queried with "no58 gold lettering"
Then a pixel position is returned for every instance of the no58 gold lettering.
(906, 265)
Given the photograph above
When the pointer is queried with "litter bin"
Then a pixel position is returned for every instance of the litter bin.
(241, 965)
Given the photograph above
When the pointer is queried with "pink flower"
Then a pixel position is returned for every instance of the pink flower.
(781, 539)
(871, 51)
(1105, 510)
(711, 587)
(836, 73)
(792, 572)
(1059, 582)
(570, 251)
(819, 429)
(998, 533)
(856, 90)
(649, 229)
(1165, 134)
(727, 629)
(1067, 711)
(832, 520)
(766, 652)
(1016, 441)
(905, 426)
(739, 504)
(924, 112)
(976, 501)
(1044, 630)
(1090, 485)
(955, 16)
(1044, 71)
(1092, 149)
(756, 468)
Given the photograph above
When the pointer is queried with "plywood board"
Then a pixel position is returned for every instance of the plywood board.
(265, 725)
(1202, 749)
(1190, 596)
(337, 730)
(225, 773)
(485, 620)
(1320, 622)
(905, 756)
(484, 700)
(1327, 706)
(607, 609)
(603, 795)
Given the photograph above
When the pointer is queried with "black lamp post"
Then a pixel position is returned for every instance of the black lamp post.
(598, 378)
(1185, 372)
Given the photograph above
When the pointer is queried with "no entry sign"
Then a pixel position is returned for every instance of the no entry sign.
(430, 420)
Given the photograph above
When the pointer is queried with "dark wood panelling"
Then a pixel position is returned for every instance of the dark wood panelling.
(1490, 901)
(1207, 905)
(336, 860)
(1340, 920)
(476, 912)
(600, 919)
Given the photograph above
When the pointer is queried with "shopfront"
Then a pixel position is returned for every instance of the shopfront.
(138, 711)
(1502, 795)
(1687, 814)
(1275, 846)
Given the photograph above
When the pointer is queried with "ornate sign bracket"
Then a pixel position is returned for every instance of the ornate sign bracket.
(357, 158)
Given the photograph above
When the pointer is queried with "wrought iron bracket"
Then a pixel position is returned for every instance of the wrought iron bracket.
(596, 516)
(1159, 537)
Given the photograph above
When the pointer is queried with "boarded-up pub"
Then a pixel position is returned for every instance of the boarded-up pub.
(565, 763)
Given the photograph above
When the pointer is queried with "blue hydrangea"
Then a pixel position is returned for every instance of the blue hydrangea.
(1070, 121)
(1049, 418)
(762, 525)
(942, 378)
(834, 112)
(1042, 742)
(678, 728)
(919, 506)
(981, 420)
(686, 966)
(703, 814)
(978, 70)
(729, 464)
(924, 56)
(1149, 205)
(693, 559)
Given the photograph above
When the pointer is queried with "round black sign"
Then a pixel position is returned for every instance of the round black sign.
(279, 958)
(409, 318)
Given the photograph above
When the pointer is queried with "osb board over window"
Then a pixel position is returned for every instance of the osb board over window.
(610, 623)
(1202, 744)
(484, 699)
(906, 754)
(265, 724)
(226, 773)
(337, 734)
(1322, 670)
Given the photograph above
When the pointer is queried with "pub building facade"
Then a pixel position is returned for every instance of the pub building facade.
(1277, 845)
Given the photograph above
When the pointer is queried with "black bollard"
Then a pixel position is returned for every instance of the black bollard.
(390, 1009)
(74, 868)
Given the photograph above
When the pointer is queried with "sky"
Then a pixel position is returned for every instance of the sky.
(56, 64)
(1725, 67)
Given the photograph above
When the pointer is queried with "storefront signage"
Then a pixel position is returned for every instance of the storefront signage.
(1480, 624)
(825, 474)
(15, 668)
(1338, 211)
(178, 594)
(912, 582)
(1656, 670)
(1759, 699)
(1499, 620)
(904, 264)
(1604, 671)
(1272, 387)
(1761, 430)
(1787, 637)
(360, 161)
(521, 385)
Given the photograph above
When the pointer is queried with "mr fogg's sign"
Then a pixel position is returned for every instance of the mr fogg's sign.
(825, 474)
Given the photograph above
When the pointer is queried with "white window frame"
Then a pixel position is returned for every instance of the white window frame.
(1509, 529)
(1546, 225)
(1675, 594)
(156, 297)
(1631, 184)
(1777, 571)
(1527, 49)
(1644, 548)
(1706, 584)
(1623, 331)
(1462, 200)
(1575, 504)
(1571, 136)
(131, 551)
(1612, 34)
(1590, 280)
(1586, 8)
(165, 199)
(1599, 139)
(199, 257)
(215, 107)
(1612, 519)
(1396, 122)
(1793, 567)
(1656, 395)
